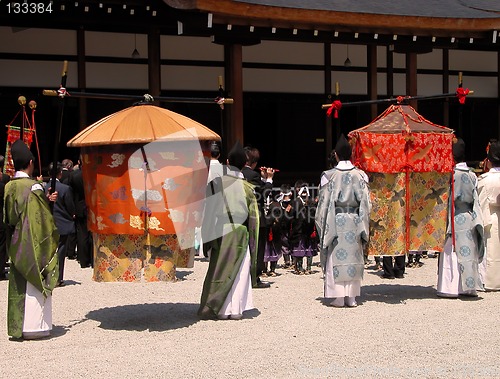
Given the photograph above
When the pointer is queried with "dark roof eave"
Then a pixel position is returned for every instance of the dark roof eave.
(235, 12)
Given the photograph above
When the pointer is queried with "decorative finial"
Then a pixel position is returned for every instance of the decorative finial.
(21, 100)
(148, 98)
(32, 104)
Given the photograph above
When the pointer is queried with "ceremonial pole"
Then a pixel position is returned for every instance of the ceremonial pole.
(62, 94)
(460, 106)
(167, 99)
(398, 100)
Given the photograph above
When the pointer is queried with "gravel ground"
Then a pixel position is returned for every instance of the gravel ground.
(123, 330)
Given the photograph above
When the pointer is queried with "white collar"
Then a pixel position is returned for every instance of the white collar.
(21, 174)
(345, 165)
(462, 165)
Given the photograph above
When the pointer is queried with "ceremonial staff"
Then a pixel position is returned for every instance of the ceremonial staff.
(62, 94)
(459, 93)
(167, 99)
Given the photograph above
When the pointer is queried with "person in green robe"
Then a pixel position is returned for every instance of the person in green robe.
(231, 214)
(32, 240)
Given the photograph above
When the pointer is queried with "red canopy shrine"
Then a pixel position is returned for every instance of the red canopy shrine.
(408, 160)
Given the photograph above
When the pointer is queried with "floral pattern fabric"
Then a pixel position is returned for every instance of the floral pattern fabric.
(144, 202)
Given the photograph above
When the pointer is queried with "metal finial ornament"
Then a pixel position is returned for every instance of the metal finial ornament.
(148, 98)
(32, 104)
(21, 100)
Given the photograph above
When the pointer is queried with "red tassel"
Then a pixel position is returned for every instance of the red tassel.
(270, 236)
(462, 94)
(335, 107)
(314, 234)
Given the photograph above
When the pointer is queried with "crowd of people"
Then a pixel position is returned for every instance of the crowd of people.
(247, 229)
(295, 226)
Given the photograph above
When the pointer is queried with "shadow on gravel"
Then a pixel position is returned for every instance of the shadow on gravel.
(153, 317)
(396, 293)
(57, 331)
(181, 275)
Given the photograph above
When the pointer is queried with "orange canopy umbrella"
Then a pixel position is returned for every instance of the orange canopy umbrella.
(142, 124)
(145, 172)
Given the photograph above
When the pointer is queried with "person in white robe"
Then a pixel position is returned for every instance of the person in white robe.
(489, 199)
(458, 271)
(342, 221)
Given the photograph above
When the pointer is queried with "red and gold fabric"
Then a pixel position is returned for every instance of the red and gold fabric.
(427, 203)
(392, 153)
(133, 258)
(409, 161)
(13, 134)
(143, 216)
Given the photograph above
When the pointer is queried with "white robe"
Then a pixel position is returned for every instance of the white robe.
(489, 199)
(449, 279)
(240, 298)
(340, 289)
(37, 313)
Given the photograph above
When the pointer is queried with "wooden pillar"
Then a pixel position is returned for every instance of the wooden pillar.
(390, 71)
(233, 128)
(82, 77)
(411, 77)
(446, 86)
(154, 66)
(371, 63)
(498, 94)
(327, 50)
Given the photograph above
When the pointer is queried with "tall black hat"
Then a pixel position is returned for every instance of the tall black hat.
(458, 150)
(494, 152)
(21, 155)
(237, 156)
(343, 149)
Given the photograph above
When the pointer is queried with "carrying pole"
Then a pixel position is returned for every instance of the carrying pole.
(62, 94)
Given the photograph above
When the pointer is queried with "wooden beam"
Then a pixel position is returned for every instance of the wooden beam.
(411, 77)
(371, 62)
(327, 51)
(243, 13)
(390, 70)
(154, 67)
(446, 86)
(234, 128)
(82, 78)
(498, 94)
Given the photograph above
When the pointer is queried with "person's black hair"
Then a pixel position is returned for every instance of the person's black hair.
(458, 150)
(343, 148)
(332, 159)
(59, 168)
(237, 157)
(253, 154)
(214, 149)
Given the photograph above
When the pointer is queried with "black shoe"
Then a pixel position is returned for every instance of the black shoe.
(399, 276)
(385, 276)
(262, 285)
